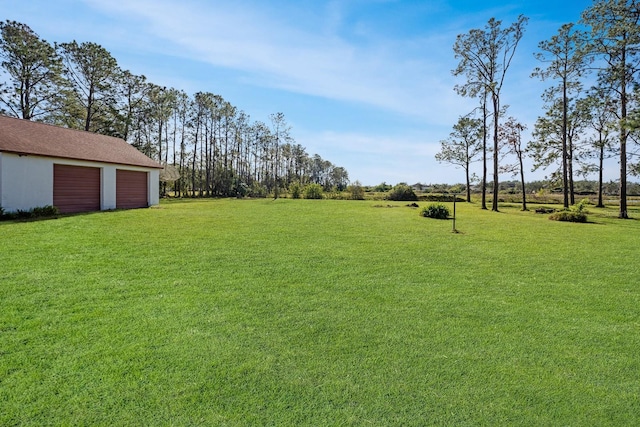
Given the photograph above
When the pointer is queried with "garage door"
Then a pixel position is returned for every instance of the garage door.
(131, 189)
(76, 188)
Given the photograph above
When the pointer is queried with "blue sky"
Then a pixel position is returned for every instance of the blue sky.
(366, 84)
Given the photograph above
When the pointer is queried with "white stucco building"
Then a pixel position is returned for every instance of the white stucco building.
(75, 171)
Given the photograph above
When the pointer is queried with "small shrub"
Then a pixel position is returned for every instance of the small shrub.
(7, 216)
(577, 213)
(26, 214)
(45, 211)
(356, 190)
(313, 191)
(295, 189)
(335, 194)
(241, 189)
(402, 192)
(435, 210)
(581, 206)
(257, 190)
(570, 216)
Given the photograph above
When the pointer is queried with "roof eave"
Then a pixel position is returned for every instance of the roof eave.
(23, 153)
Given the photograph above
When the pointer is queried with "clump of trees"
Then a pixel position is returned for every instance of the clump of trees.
(313, 191)
(356, 191)
(581, 127)
(402, 192)
(215, 147)
(485, 56)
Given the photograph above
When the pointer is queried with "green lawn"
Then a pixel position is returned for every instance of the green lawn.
(304, 312)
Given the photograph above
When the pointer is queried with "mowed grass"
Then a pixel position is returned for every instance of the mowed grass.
(304, 312)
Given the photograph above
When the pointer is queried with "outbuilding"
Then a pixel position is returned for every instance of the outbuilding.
(75, 171)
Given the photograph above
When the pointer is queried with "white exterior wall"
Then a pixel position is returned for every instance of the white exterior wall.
(153, 179)
(26, 181)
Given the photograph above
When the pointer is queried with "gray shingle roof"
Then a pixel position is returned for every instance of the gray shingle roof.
(26, 137)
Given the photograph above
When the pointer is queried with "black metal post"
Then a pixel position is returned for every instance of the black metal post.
(455, 196)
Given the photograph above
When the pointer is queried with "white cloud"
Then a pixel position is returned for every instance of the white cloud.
(272, 52)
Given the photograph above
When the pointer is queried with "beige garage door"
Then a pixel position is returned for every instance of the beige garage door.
(76, 188)
(131, 189)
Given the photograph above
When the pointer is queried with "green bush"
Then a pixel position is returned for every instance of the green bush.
(402, 192)
(570, 216)
(295, 189)
(37, 212)
(45, 211)
(335, 194)
(581, 206)
(577, 213)
(313, 191)
(26, 214)
(257, 190)
(435, 210)
(356, 190)
(382, 188)
(241, 189)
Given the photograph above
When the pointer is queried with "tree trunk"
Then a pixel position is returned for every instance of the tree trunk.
(623, 174)
(207, 158)
(496, 112)
(25, 100)
(484, 153)
(623, 178)
(160, 140)
(565, 159)
(572, 193)
(468, 184)
(524, 189)
(623, 140)
(601, 165)
(193, 166)
(87, 121)
(200, 189)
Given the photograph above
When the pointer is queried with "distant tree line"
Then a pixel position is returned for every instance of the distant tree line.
(213, 147)
(582, 187)
(591, 112)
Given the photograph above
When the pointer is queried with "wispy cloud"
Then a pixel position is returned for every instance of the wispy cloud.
(277, 53)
